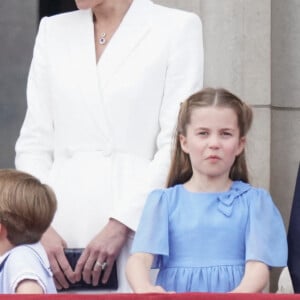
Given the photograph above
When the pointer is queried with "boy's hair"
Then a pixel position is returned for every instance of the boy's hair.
(27, 206)
(181, 168)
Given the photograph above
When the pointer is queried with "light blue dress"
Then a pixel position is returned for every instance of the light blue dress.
(202, 241)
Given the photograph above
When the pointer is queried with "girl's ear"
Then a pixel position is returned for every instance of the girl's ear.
(183, 143)
(241, 146)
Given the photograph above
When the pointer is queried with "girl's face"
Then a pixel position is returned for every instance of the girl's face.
(212, 141)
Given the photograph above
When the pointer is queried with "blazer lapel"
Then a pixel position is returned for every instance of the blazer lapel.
(83, 63)
(130, 33)
(82, 51)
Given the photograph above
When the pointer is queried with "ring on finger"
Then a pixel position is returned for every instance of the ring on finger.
(103, 265)
(98, 265)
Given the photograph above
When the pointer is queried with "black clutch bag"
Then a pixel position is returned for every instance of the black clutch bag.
(72, 255)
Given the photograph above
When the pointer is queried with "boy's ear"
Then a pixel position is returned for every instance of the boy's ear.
(3, 231)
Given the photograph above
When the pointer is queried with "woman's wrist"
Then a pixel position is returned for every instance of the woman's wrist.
(120, 227)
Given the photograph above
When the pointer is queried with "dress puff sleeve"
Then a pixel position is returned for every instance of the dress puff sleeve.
(265, 236)
(152, 233)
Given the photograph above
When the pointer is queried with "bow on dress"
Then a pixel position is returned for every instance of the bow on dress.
(226, 200)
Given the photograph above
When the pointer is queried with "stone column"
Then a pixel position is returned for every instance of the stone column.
(285, 137)
(238, 56)
(18, 25)
(285, 154)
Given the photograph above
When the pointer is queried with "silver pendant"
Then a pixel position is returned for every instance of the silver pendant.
(102, 39)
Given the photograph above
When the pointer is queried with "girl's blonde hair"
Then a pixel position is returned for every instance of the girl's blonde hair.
(181, 168)
(27, 206)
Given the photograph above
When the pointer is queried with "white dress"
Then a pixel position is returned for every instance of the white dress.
(100, 135)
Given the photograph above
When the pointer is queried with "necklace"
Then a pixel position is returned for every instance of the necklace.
(102, 39)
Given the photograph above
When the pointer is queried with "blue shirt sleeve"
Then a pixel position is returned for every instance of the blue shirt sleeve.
(24, 264)
(152, 233)
(266, 239)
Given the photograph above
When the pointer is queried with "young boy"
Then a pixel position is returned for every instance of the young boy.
(27, 208)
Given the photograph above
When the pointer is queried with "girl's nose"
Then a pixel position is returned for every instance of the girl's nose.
(214, 142)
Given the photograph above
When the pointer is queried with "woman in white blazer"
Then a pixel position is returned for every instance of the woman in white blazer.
(103, 93)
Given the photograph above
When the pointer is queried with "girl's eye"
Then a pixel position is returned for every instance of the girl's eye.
(226, 133)
(202, 133)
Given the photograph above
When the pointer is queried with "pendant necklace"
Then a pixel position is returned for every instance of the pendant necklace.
(102, 39)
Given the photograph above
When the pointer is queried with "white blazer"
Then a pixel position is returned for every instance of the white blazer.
(100, 135)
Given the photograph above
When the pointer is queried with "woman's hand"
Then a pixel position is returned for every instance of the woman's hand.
(61, 269)
(101, 253)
